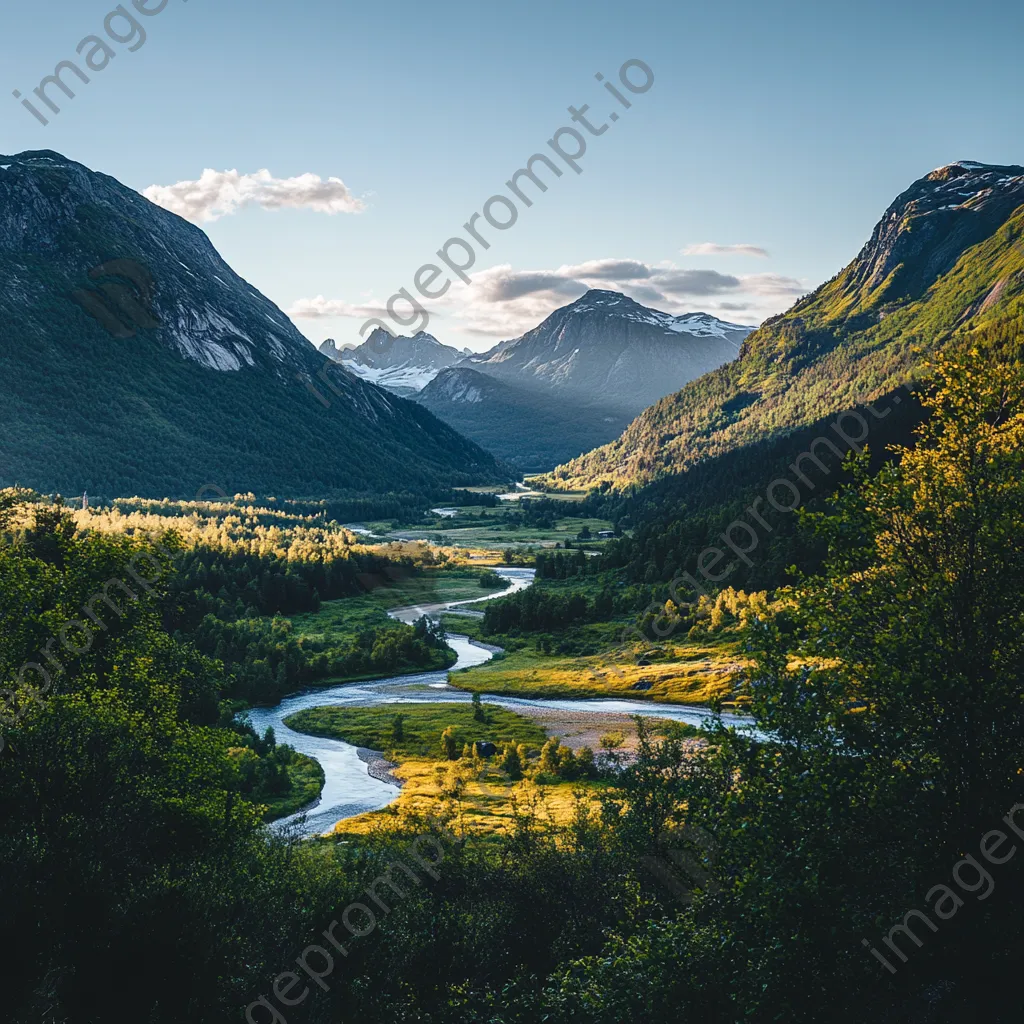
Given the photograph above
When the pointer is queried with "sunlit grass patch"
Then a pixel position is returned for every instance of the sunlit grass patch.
(478, 801)
(689, 673)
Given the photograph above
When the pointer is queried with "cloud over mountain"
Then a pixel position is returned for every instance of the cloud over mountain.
(500, 302)
(221, 193)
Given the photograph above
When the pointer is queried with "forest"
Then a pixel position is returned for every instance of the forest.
(870, 820)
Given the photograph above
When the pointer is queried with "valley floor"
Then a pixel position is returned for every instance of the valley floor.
(476, 793)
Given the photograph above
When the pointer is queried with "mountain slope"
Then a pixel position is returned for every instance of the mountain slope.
(165, 371)
(530, 430)
(605, 349)
(946, 260)
(402, 365)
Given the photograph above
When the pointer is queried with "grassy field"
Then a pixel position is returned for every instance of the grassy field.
(421, 727)
(349, 615)
(480, 800)
(693, 672)
(530, 482)
(557, 495)
(495, 528)
(473, 791)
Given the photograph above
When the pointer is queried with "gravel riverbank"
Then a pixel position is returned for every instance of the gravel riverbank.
(377, 767)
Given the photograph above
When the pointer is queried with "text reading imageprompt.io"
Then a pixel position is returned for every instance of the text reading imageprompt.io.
(501, 212)
(95, 52)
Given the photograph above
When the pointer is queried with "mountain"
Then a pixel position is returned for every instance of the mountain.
(945, 263)
(575, 381)
(606, 350)
(330, 349)
(134, 360)
(401, 365)
(530, 430)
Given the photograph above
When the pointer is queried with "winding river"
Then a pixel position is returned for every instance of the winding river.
(348, 789)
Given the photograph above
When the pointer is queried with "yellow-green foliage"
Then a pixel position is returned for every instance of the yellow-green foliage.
(239, 523)
(480, 795)
(477, 797)
(728, 609)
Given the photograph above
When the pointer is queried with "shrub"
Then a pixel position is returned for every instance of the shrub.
(612, 740)
(512, 762)
(449, 744)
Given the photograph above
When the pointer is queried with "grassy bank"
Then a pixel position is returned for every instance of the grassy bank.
(422, 725)
(337, 620)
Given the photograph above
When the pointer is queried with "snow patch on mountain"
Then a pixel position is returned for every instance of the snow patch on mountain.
(393, 378)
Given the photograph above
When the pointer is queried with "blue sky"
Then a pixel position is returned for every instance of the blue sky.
(788, 127)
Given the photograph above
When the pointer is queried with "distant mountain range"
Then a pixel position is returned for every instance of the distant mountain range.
(134, 360)
(570, 384)
(402, 365)
(945, 262)
(606, 350)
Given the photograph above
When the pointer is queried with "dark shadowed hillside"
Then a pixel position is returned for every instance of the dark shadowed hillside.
(529, 429)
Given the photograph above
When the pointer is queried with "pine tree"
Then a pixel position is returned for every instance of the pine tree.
(398, 728)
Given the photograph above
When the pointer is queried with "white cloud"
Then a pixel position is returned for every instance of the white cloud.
(772, 284)
(714, 249)
(320, 308)
(608, 270)
(220, 193)
(503, 303)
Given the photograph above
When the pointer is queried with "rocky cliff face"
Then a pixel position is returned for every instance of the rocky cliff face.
(329, 348)
(384, 350)
(461, 384)
(922, 235)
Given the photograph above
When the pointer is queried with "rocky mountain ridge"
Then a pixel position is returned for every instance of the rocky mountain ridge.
(400, 364)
